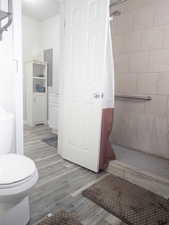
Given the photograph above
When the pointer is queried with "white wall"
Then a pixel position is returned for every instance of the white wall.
(51, 38)
(31, 38)
(31, 30)
(38, 36)
(141, 50)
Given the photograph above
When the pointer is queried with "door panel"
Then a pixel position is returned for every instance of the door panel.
(39, 108)
(84, 70)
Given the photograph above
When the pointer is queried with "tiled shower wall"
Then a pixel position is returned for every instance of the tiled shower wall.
(141, 50)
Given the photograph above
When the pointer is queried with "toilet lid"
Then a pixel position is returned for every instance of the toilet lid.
(15, 168)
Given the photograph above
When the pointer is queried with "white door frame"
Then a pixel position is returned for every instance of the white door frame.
(17, 60)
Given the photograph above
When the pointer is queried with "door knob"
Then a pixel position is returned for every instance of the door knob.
(96, 95)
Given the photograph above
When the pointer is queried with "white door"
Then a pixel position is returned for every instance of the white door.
(86, 25)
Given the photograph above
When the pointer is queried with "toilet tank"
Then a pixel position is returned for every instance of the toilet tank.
(6, 131)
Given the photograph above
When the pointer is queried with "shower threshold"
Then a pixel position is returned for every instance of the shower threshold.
(145, 170)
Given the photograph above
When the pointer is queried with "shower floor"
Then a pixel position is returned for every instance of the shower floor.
(141, 161)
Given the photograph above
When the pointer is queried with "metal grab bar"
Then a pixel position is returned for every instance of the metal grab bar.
(138, 98)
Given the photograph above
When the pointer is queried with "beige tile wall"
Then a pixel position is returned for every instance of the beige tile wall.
(141, 50)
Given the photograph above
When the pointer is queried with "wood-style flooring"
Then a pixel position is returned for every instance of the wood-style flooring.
(60, 183)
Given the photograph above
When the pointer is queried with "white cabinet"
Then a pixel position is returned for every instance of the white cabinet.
(35, 84)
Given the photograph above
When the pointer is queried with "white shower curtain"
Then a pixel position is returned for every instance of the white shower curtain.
(109, 93)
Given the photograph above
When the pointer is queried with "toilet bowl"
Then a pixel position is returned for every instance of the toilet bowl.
(18, 174)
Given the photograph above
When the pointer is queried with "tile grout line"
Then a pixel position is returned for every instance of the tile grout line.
(47, 157)
(57, 177)
(51, 164)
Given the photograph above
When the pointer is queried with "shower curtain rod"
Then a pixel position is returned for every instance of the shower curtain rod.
(117, 3)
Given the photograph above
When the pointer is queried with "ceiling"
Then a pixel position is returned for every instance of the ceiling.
(41, 9)
(44, 9)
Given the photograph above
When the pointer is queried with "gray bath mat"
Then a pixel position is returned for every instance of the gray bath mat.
(62, 218)
(130, 203)
(52, 141)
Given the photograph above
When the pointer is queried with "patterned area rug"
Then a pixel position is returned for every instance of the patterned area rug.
(61, 218)
(52, 141)
(130, 203)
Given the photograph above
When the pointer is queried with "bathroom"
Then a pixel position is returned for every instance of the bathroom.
(138, 36)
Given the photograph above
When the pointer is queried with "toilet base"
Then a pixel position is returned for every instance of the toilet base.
(18, 215)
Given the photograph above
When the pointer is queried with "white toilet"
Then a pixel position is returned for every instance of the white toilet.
(18, 174)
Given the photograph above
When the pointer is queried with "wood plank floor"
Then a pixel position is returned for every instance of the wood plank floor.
(60, 183)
